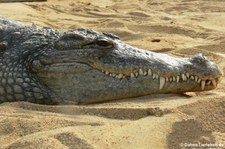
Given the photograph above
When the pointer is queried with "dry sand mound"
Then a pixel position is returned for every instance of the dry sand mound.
(180, 28)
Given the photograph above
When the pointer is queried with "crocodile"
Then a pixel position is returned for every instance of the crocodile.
(82, 66)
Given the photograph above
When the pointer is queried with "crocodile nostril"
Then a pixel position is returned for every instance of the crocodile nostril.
(205, 57)
(199, 59)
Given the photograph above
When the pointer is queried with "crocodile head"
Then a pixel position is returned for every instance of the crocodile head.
(87, 66)
(84, 66)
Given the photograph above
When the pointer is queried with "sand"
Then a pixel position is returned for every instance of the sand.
(177, 27)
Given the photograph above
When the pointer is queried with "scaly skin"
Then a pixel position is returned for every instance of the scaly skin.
(83, 66)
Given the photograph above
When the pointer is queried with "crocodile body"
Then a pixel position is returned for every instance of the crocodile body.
(84, 66)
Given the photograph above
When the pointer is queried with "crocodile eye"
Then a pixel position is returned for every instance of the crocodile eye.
(72, 36)
(104, 43)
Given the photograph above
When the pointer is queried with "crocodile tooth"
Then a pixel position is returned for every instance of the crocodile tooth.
(113, 74)
(132, 75)
(110, 75)
(103, 71)
(188, 75)
(199, 80)
(209, 82)
(141, 72)
(184, 77)
(214, 83)
(196, 78)
(153, 76)
(171, 79)
(203, 84)
(192, 77)
(162, 81)
(120, 76)
(145, 73)
(156, 76)
(106, 72)
(136, 74)
(174, 78)
(167, 79)
(178, 79)
(149, 72)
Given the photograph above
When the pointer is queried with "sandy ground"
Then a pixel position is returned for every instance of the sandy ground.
(177, 27)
